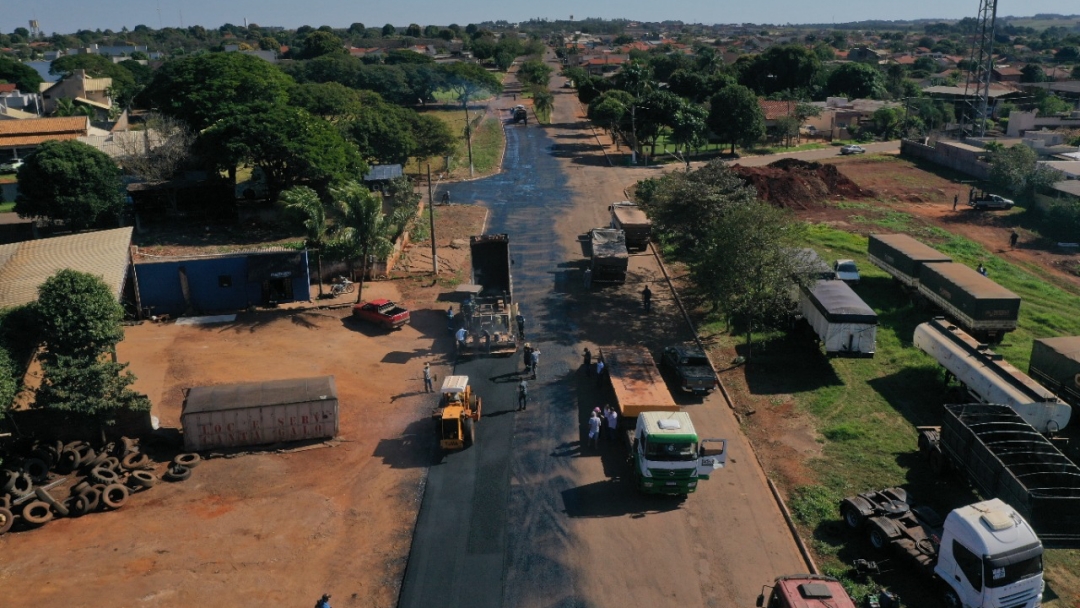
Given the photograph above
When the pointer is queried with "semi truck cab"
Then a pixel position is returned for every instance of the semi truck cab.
(669, 458)
(989, 556)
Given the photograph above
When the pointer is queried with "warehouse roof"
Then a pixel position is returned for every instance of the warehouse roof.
(26, 265)
(257, 394)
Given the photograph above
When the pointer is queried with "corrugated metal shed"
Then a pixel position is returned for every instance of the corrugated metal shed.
(255, 394)
(25, 266)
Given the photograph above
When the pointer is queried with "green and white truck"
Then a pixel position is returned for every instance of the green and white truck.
(667, 455)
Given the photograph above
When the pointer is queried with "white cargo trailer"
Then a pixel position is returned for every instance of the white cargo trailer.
(258, 413)
(843, 322)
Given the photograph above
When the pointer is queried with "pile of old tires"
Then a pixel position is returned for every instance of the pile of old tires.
(90, 479)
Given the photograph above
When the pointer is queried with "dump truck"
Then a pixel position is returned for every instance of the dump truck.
(842, 321)
(631, 219)
(519, 114)
(986, 377)
(902, 257)
(489, 315)
(1055, 363)
(1005, 457)
(609, 255)
(457, 413)
(983, 555)
(668, 456)
(985, 309)
(805, 591)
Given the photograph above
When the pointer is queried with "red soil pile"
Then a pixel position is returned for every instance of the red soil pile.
(797, 184)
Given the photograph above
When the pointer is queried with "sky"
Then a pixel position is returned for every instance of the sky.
(67, 16)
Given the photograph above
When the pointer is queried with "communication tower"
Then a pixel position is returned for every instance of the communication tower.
(982, 65)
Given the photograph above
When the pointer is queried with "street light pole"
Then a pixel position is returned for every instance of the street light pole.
(431, 218)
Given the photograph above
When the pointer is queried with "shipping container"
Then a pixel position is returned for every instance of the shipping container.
(1055, 363)
(902, 256)
(840, 318)
(258, 413)
(984, 308)
(1005, 457)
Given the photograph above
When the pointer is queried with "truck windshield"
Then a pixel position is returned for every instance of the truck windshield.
(670, 451)
(1002, 570)
(696, 361)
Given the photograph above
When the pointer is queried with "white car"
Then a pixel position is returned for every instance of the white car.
(11, 167)
(852, 149)
(846, 271)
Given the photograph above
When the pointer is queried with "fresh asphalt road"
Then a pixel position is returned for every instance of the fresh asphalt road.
(458, 550)
(530, 517)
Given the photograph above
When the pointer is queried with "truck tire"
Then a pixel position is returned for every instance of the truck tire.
(134, 461)
(94, 461)
(6, 519)
(69, 461)
(938, 464)
(112, 463)
(104, 476)
(78, 506)
(177, 472)
(189, 460)
(93, 498)
(878, 539)
(469, 431)
(19, 485)
(852, 517)
(127, 446)
(36, 513)
(952, 600)
(80, 487)
(46, 498)
(114, 496)
(142, 479)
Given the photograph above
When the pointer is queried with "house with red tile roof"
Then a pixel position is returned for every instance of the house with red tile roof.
(774, 110)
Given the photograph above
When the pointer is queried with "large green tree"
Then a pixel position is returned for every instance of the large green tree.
(305, 203)
(534, 71)
(383, 134)
(780, 68)
(737, 248)
(332, 101)
(857, 81)
(1017, 170)
(736, 117)
(203, 89)
(71, 183)
(25, 77)
(319, 43)
(291, 146)
(94, 387)
(79, 315)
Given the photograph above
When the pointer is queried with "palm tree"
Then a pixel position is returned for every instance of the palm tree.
(306, 201)
(543, 102)
(363, 228)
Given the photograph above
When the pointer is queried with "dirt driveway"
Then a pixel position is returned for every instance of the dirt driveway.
(266, 528)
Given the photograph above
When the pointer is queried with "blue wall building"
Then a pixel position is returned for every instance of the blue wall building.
(222, 283)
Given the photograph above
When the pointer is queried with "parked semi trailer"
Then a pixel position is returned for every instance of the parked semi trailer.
(902, 256)
(609, 255)
(489, 317)
(631, 219)
(988, 378)
(983, 555)
(636, 381)
(981, 306)
(1055, 363)
(839, 317)
(1005, 457)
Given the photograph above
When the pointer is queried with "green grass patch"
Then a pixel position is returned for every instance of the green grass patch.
(7, 207)
(866, 409)
(487, 146)
(778, 149)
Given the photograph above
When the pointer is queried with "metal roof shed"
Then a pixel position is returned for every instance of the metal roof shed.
(255, 413)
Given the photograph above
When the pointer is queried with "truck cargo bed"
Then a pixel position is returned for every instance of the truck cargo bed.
(1006, 458)
(636, 381)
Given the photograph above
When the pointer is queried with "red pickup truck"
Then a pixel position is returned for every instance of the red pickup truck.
(381, 312)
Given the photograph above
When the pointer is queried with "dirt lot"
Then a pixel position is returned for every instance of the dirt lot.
(275, 528)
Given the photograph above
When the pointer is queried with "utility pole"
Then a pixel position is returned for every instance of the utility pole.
(468, 136)
(431, 217)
